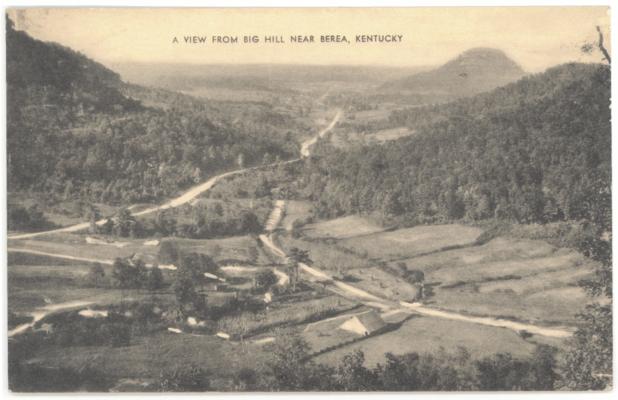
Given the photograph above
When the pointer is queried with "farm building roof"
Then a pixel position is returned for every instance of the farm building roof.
(365, 323)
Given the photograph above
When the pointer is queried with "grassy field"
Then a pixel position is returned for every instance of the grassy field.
(522, 279)
(341, 228)
(280, 313)
(326, 255)
(426, 334)
(60, 212)
(230, 249)
(385, 135)
(409, 242)
(35, 282)
(295, 210)
(381, 283)
(147, 356)
(525, 279)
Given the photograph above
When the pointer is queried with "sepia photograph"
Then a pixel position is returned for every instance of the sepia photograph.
(258, 200)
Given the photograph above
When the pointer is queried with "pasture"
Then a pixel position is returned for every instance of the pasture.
(513, 277)
(428, 334)
(233, 249)
(342, 228)
(385, 135)
(295, 210)
(409, 242)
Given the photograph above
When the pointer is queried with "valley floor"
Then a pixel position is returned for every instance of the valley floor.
(480, 296)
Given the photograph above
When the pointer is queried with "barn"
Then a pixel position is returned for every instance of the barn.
(364, 324)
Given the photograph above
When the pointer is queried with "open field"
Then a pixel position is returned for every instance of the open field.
(60, 212)
(326, 256)
(36, 281)
(295, 210)
(149, 355)
(409, 242)
(427, 334)
(377, 281)
(343, 138)
(341, 228)
(282, 313)
(77, 246)
(235, 249)
(377, 114)
(522, 279)
(385, 135)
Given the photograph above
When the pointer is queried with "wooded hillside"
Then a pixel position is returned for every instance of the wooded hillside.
(533, 151)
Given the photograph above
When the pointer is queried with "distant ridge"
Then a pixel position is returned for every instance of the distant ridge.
(474, 71)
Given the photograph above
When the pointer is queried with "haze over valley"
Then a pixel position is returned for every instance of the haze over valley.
(294, 227)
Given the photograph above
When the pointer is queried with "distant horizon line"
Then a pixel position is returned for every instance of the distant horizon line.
(293, 64)
(272, 63)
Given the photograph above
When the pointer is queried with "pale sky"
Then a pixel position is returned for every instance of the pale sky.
(535, 37)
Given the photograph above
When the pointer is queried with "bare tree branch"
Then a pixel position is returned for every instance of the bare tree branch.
(602, 48)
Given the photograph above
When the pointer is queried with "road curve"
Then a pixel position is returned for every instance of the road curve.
(374, 301)
(190, 194)
(306, 146)
(42, 312)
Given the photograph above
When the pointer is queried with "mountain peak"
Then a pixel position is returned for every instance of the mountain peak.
(485, 58)
(476, 70)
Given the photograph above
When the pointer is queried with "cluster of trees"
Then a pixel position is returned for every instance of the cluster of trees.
(125, 274)
(207, 222)
(27, 218)
(73, 330)
(534, 151)
(133, 274)
(264, 280)
(184, 378)
(293, 370)
(440, 371)
(72, 133)
(589, 359)
(189, 279)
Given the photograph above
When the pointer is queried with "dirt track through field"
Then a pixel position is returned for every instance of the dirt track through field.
(383, 304)
(341, 288)
(42, 312)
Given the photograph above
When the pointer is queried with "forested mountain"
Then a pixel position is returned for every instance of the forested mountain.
(474, 71)
(532, 151)
(76, 131)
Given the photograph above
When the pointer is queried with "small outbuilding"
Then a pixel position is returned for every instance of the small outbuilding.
(364, 324)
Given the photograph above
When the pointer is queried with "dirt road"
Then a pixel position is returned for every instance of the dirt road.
(306, 146)
(190, 194)
(42, 312)
(374, 301)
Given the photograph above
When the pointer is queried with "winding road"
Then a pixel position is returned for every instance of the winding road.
(193, 192)
(371, 300)
(42, 312)
(338, 287)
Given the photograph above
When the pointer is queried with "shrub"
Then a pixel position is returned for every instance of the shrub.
(184, 378)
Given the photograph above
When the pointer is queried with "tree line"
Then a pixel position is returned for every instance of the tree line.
(537, 150)
(73, 132)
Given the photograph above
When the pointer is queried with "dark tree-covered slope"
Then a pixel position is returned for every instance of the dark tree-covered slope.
(76, 131)
(532, 151)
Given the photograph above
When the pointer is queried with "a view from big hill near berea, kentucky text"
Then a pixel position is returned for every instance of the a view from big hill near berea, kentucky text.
(291, 227)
